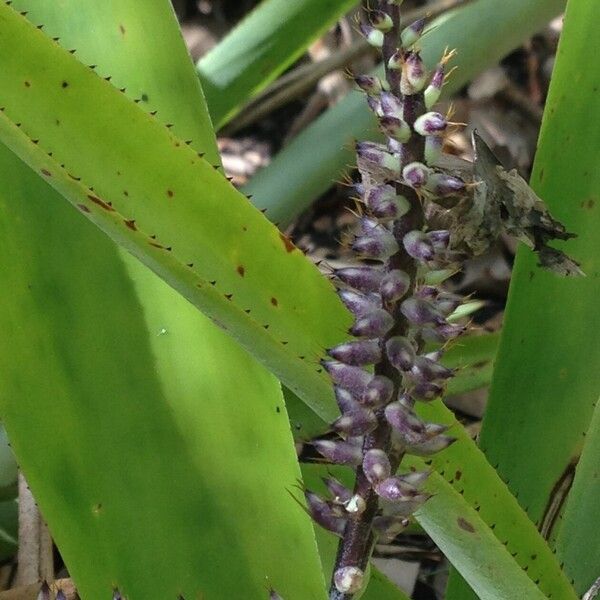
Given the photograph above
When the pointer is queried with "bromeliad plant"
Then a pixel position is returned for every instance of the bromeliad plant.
(407, 189)
(155, 445)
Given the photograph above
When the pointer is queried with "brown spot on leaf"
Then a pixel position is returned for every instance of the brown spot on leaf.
(159, 246)
(46, 173)
(27, 84)
(464, 524)
(101, 203)
(170, 193)
(241, 271)
(122, 29)
(289, 246)
(83, 208)
(64, 84)
(130, 224)
(229, 296)
(590, 203)
(458, 475)
(274, 302)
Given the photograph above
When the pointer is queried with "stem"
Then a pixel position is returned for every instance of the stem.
(356, 546)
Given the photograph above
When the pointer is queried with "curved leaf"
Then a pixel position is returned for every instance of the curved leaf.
(546, 382)
(578, 544)
(153, 460)
(471, 545)
(260, 48)
(168, 207)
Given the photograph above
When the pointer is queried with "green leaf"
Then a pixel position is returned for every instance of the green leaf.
(464, 466)
(260, 48)
(546, 382)
(168, 207)
(578, 544)
(126, 28)
(471, 545)
(8, 469)
(483, 32)
(8, 528)
(153, 460)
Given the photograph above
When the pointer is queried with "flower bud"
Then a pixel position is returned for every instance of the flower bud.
(358, 304)
(420, 312)
(355, 423)
(375, 105)
(348, 580)
(418, 245)
(416, 174)
(427, 391)
(432, 446)
(431, 123)
(391, 105)
(394, 489)
(434, 146)
(373, 36)
(395, 128)
(356, 505)
(448, 303)
(352, 379)
(430, 370)
(378, 244)
(440, 238)
(394, 285)
(381, 20)
(323, 514)
(386, 528)
(378, 392)
(406, 506)
(442, 332)
(384, 203)
(428, 292)
(414, 75)
(396, 60)
(362, 352)
(400, 352)
(442, 185)
(411, 34)
(339, 492)
(434, 429)
(373, 324)
(410, 429)
(434, 89)
(364, 279)
(339, 453)
(376, 158)
(369, 83)
(346, 402)
(376, 466)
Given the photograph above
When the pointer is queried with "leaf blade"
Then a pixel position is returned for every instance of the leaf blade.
(253, 54)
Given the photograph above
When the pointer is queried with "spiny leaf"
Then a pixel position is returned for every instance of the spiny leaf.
(168, 207)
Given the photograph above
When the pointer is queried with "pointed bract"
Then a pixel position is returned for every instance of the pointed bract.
(376, 466)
